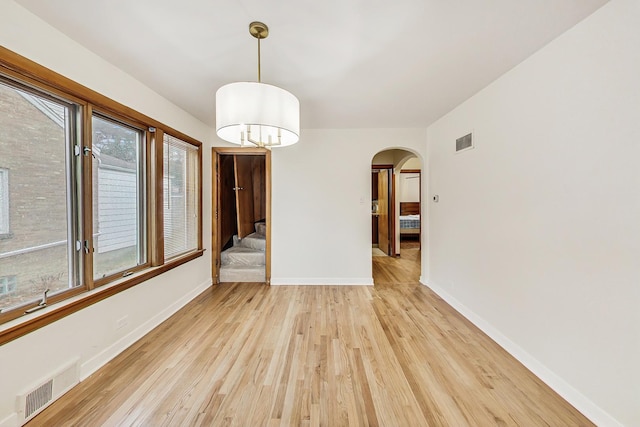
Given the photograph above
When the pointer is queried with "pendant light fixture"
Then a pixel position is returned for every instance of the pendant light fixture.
(257, 114)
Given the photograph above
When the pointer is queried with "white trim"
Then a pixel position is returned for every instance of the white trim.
(313, 281)
(92, 365)
(583, 404)
(10, 420)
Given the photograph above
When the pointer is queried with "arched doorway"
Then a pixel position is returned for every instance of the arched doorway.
(396, 176)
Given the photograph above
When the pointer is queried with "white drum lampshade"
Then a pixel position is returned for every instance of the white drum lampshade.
(257, 113)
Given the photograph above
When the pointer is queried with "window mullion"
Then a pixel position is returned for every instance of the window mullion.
(74, 190)
(156, 203)
(87, 197)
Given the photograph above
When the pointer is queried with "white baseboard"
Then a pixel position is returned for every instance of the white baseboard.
(96, 362)
(589, 409)
(348, 281)
(10, 421)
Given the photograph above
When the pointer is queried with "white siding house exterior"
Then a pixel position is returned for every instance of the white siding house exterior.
(117, 207)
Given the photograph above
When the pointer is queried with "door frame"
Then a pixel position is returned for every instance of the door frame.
(419, 172)
(215, 203)
(392, 204)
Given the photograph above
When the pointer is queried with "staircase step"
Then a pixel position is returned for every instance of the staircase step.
(242, 273)
(240, 255)
(261, 228)
(254, 241)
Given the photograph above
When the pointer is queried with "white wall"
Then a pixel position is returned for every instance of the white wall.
(536, 236)
(413, 163)
(90, 334)
(321, 208)
(409, 185)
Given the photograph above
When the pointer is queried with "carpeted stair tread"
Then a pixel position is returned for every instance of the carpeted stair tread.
(242, 273)
(261, 228)
(254, 241)
(241, 255)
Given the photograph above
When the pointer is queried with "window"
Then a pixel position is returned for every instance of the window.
(119, 219)
(96, 190)
(40, 255)
(4, 201)
(181, 199)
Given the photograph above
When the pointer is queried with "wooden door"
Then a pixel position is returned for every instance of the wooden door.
(244, 195)
(227, 200)
(383, 211)
(374, 215)
(259, 188)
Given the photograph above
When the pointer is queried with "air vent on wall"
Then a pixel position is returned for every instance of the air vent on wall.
(38, 398)
(32, 402)
(464, 142)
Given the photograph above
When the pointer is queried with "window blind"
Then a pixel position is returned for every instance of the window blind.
(181, 201)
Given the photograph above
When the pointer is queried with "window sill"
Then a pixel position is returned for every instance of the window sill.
(25, 324)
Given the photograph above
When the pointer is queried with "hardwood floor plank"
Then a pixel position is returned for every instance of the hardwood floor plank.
(394, 354)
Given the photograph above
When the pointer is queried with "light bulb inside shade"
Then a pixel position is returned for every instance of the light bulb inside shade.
(266, 110)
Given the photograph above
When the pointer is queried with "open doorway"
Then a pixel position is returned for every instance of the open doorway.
(396, 177)
(241, 220)
(409, 202)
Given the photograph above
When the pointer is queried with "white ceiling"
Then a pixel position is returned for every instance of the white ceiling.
(352, 63)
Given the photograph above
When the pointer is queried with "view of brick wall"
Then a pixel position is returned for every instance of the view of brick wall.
(32, 150)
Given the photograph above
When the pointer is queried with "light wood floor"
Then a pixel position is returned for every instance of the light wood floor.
(250, 355)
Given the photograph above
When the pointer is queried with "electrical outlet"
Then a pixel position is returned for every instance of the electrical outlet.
(122, 322)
